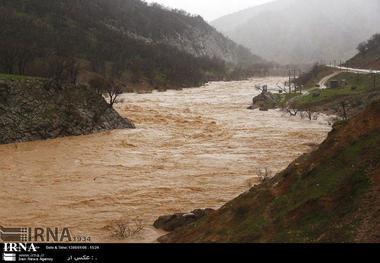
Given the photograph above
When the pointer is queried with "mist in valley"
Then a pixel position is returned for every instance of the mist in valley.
(303, 31)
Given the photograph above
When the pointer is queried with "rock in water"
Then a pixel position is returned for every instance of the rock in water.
(172, 222)
(264, 102)
(32, 110)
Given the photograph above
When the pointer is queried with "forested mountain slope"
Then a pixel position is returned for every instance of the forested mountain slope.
(133, 39)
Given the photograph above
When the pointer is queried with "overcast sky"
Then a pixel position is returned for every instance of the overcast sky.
(210, 9)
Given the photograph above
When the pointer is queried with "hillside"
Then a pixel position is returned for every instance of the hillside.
(354, 91)
(356, 94)
(303, 31)
(368, 56)
(136, 41)
(329, 195)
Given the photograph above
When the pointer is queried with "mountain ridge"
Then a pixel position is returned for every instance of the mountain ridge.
(137, 41)
(299, 31)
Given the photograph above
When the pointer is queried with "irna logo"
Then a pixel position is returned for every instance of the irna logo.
(19, 234)
(19, 247)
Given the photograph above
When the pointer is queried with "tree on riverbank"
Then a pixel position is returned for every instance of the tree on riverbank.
(113, 88)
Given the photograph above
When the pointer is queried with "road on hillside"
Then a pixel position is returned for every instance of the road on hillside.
(322, 82)
(355, 70)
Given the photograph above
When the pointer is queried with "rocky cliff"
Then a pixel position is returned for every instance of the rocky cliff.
(33, 110)
(202, 40)
(153, 23)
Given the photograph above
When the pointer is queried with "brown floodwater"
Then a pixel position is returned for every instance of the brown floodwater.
(195, 148)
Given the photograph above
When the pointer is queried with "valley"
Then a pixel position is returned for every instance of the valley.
(123, 119)
(194, 148)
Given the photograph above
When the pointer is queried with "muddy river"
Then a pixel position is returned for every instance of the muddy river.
(195, 148)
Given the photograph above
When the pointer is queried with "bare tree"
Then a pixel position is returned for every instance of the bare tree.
(309, 114)
(112, 88)
(292, 112)
(127, 229)
(344, 105)
(264, 174)
(262, 89)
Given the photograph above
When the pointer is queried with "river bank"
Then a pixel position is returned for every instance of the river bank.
(194, 148)
(330, 195)
(36, 109)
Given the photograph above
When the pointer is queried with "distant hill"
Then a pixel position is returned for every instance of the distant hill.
(303, 31)
(368, 56)
(139, 41)
(330, 195)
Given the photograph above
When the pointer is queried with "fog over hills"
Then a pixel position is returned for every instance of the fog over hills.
(303, 31)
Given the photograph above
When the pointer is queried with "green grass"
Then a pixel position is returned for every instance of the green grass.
(326, 95)
(337, 179)
(361, 81)
(314, 79)
(357, 85)
(282, 99)
(4, 76)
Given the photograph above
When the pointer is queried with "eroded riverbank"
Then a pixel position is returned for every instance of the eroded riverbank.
(194, 148)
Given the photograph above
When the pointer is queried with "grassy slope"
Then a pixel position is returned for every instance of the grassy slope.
(312, 78)
(330, 100)
(358, 93)
(330, 195)
(15, 77)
